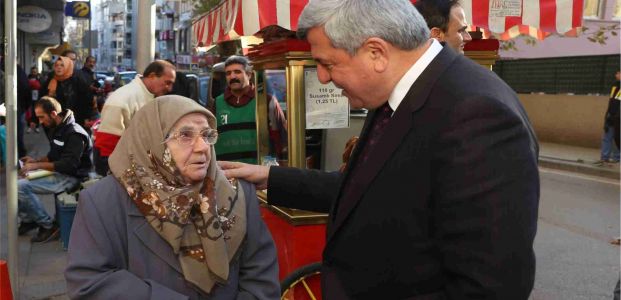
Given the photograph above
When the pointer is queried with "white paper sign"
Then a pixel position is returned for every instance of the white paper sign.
(505, 8)
(326, 107)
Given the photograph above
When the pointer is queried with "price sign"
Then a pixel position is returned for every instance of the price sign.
(505, 8)
(326, 107)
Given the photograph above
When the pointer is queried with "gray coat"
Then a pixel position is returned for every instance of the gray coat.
(115, 254)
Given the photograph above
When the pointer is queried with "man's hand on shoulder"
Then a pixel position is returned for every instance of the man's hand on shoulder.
(252, 173)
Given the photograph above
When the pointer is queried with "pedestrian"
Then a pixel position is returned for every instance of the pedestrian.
(439, 199)
(68, 89)
(446, 20)
(157, 80)
(167, 224)
(609, 152)
(89, 81)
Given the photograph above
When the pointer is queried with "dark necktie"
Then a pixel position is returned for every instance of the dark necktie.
(381, 119)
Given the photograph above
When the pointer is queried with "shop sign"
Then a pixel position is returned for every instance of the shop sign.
(33, 19)
(184, 59)
(326, 107)
(505, 8)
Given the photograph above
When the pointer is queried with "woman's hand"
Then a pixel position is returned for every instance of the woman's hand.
(252, 173)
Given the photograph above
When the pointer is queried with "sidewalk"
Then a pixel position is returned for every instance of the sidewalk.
(42, 265)
(575, 159)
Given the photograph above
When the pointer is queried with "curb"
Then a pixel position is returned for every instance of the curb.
(607, 171)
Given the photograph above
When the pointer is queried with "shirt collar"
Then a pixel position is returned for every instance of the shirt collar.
(246, 97)
(406, 82)
(138, 79)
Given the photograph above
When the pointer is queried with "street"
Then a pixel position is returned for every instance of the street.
(578, 215)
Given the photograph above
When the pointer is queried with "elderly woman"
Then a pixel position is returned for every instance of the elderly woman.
(167, 224)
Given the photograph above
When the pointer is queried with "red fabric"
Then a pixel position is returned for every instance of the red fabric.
(267, 13)
(106, 142)
(547, 21)
(34, 84)
(576, 20)
(480, 13)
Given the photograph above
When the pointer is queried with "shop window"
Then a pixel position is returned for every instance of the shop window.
(592, 9)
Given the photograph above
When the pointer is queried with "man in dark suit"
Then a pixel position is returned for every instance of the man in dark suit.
(440, 198)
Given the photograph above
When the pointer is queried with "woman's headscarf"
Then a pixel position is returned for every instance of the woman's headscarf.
(68, 72)
(204, 223)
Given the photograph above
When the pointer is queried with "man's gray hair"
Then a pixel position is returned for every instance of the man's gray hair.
(348, 23)
(238, 60)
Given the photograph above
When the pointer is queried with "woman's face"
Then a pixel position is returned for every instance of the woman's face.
(59, 68)
(192, 159)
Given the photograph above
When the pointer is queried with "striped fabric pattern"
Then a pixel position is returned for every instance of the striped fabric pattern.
(234, 18)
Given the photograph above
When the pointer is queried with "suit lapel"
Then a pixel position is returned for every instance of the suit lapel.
(394, 133)
(148, 236)
(364, 134)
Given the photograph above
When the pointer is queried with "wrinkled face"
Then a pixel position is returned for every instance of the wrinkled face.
(236, 77)
(90, 63)
(44, 118)
(456, 35)
(59, 68)
(354, 74)
(161, 85)
(193, 159)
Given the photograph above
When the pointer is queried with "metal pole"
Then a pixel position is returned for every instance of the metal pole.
(10, 84)
(90, 34)
(145, 48)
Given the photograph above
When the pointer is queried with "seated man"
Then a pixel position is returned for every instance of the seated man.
(68, 158)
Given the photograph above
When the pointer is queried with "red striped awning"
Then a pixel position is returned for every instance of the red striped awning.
(548, 16)
(233, 18)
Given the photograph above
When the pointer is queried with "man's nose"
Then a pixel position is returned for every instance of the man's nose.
(467, 37)
(322, 74)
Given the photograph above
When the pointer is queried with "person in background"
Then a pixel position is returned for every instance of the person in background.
(71, 55)
(167, 224)
(34, 74)
(67, 88)
(24, 97)
(439, 199)
(609, 152)
(235, 111)
(446, 20)
(88, 79)
(3, 133)
(157, 80)
(68, 159)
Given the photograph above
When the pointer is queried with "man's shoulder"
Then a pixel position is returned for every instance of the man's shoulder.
(128, 92)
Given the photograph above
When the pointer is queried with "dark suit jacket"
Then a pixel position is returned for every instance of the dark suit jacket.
(115, 254)
(446, 205)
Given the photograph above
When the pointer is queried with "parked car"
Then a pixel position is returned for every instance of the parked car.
(103, 76)
(123, 78)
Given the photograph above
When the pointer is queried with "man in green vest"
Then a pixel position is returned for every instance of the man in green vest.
(235, 111)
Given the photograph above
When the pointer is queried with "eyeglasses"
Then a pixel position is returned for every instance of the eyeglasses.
(188, 137)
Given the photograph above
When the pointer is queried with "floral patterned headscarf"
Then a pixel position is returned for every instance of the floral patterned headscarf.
(204, 223)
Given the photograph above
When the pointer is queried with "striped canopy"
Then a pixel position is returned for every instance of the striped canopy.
(233, 18)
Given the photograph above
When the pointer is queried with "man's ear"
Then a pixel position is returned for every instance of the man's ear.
(377, 50)
(437, 33)
(54, 114)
